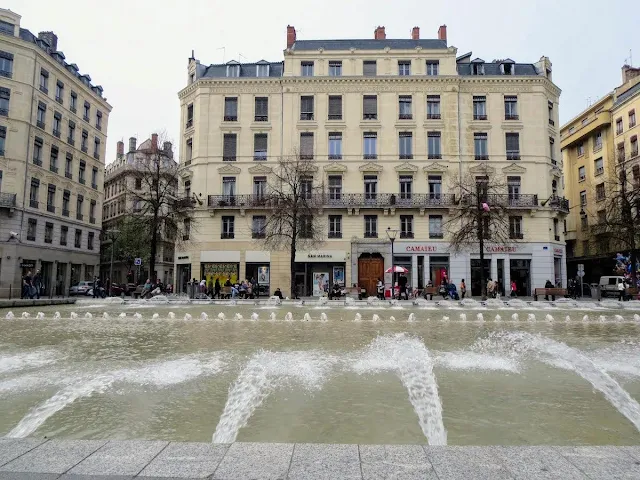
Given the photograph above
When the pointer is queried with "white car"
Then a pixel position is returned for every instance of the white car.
(81, 288)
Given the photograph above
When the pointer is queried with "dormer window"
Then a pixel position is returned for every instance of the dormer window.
(7, 28)
(233, 70)
(508, 67)
(477, 68)
(262, 70)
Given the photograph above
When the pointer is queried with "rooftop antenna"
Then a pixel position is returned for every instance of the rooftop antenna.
(224, 53)
(241, 56)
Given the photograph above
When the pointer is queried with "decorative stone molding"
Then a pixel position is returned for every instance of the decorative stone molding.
(435, 168)
(260, 169)
(514, 168)
(186, 173)
(406, 167)
(482, 169)
(370, 167)
(230, 169)
(335, 167)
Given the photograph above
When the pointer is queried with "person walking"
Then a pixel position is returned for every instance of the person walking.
(26, 285)
(490, 288)
(37, 283)
(380, 288)
(463, 289)
(621, 290)
(514, 289)
(216, 288)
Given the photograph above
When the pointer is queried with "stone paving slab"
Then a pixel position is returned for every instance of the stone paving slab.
(324, 461)
(395, 461)
(468, 463)
(537, 463)
(124, 457)
(257, 461)
(602, 462)
(54, 456)
(28, 476)
(12, 448)
(186, 460)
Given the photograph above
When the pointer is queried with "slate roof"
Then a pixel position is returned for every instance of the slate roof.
(369, 44)
(246, 69)
(521, 69)
(628, 94)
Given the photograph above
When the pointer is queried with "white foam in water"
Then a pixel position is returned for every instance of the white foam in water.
(88, 316)
(392, 318)
(375, 318)
(410, 359)
(137, 316)
(567, 319)
(26, 315)
(531, 317)
(636, 317)
(56, 316)
(412, 317)
(265, 372)
(105, 315)
(618, 318)
(288, 317)
(585, 318)
(307, 317)
(514, 317)
(159, 374)
(323, 317)
(498, 318)
(548, 318)
(272, 316)
(480, 317)
(349, 302)
(188, 317)
(622, 359)
(476, 361)
(9, 316)
(221, 316)
(254, 317)
(515, 303)
(123, 315)
(445, 319)
(358, 318)
(155, 316)
(73, 315)
(40, 315)
(23, 360)
(172, 315)
(602, 319)
(238, 317)
(470, 302)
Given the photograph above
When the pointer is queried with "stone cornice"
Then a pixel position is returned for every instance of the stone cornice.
(406, 167)
(514, 168)
(229, 169)
(435, 167)
(260, 169)
(370, 167)
(335, 167)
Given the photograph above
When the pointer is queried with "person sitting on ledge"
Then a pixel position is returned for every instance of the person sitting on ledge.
(278, 293)
(336, 292)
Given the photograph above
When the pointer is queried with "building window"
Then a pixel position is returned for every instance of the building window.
(335, 145)
(187, 188)
(434, 145)
(41, 115)
(619, 127)
(186, 229)
(258, 226)
(306, 187)
(44, 81)
(90, 240)
(335, 107)
(306, 145)
(92, 211)
(369, 68)
(512, 141)
(229, 189)
(552, 151)
(583, 198)
(72, 133)
(335, 68)
(51, 198)
(7, 28)
(479, 108)
(433, 107)
(228, 224)
(600, 192)
(84, 146)
(406, 226)
(31, 229)
(190, 115)
(6, 64)
(335, 187)
(632, 118)
(307, 69)
(404, 68)
(306, 108)
(620, 152)
(3, 137)
(597, 142)
(634, 146)
(551, 120)
(556, 233)
(406, 187)
(370, 107)
(64, 230)
(261, 109)
(229, 147)
(66, 195)
(305, 226)
(477, 69)
(53, 159)
(5, 96)
(370, 188)
(233, 71)
(87, 111)
(584, 223)
(370, 145)
(259, 188)
(405, 143)
(404, 107)
(189, 151)
(94, 178)
(81, 170)
(79, 204)
(480, 146)
(260, 146)
(73, 102)
(435, 226)
(96, 148)
(370, 226)
(510, 107)
(78, 238)
(513, 190)
(433, 67)
(262, 70)
(636, 175)
(57, 120)
(34, 193)
(335, 226)
(59, 91)
(598, 166)
(231, 109)
(435, 187)
(99, 120)
(582, 174)
(515, 228)
(580, 149)
(138, 183)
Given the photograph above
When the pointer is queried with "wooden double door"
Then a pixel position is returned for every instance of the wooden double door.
(370, 269)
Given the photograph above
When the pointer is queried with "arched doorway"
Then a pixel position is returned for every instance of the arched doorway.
(370, 269)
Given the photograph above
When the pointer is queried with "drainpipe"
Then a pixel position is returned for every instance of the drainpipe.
(459, 140)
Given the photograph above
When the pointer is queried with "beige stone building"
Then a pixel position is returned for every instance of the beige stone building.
(390, 123)
(53, 130)
(122, 189)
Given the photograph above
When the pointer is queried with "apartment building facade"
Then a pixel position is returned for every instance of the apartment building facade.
(123, 188)
(596, 144)
(53, 130)
(390, 124)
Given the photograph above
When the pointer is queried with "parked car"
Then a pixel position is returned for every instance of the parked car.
(609, 286)
(81, 288)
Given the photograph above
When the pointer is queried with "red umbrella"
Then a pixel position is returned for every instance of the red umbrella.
(396, 269)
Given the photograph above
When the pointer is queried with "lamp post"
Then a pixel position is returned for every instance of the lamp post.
(111, 232)
(392, 234)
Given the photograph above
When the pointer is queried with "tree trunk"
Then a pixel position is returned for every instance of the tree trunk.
(483, 286)
(154, 249)
(292, 257)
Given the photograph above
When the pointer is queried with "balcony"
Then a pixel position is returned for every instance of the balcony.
(230, 118)
(51, 209)
(71, 141)
(53, 168)
(92, 220)
(480, 117)
(503, 200)
(184, 202)
(405, 116)
(434, 156)
(343, 200)
(59, 99)
(516, 235)
(559, 204)
(370, 156)
(335, 234)
(260, 235)
(436, 235)
(334, 116)
(306, 116)
(37, 161)
(86, 118)
(56, 133)
(370, 116)
(433, 116)
(227, 235)
(33, 203)
(7, 200)
(81, 180)
(189, 123)
(96, 155)
(94, 186)
(74, 110)
(68, 175)
(406, 234)
(265, 118)
(79, 216)
(84, 148)
(65, 213)
(552, 123)
(511, 116)
(40, 124)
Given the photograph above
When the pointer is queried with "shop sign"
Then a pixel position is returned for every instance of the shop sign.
(558, 251)
(183, 257)
(321, 256)
(28, 264)
(421, 248)
(500, 249)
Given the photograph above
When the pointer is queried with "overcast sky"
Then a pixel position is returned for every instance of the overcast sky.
(138, 49)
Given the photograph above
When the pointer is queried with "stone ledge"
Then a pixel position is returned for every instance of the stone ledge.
(42, 302)
(33, 459)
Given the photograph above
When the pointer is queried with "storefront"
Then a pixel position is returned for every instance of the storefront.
(318, 271)
(221, 265)
(258, 272)
(558, 255)
(183, 269)
(426, 262)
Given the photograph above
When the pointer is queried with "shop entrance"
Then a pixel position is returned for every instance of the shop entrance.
(557, 270)
(439, 270)
(61, 275)
(46, 269)
(259, 275)
(370, 269)
(476, 286)
(184, 277)
(521, 274)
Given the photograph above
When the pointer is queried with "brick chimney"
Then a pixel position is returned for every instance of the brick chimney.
(120, 149)
(154, 142)
(379, 34)
(291, 36)
(415, 33)
(628, 72)
(51, 38)
(442, 33)
(132, 144)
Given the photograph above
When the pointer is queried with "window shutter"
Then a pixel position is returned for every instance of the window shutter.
(231, 107)
(262, 106)
(369, 69)
(306, 104)
(335, 106)
(260, 142)
(306, 145)
(513, 142)
(370, 105)
(229, 146)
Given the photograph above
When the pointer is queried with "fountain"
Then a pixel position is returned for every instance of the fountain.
(323, 317)
(272, 316)
(105, 316)
(548, 318)
(254, 317)
(40, 316)
(56, 316)
(636, 317)
(375, 318)
(412, 317)
(463, 317)
(171, 315)
(480, 317)
(531, 317)
(88, 316)
(288, 317)
(307, 317)
(392, 318)
(515, 317)
(137, 316)
(222, 316)
(498, 319)
(122, 315)
(26, 315)
(358, 318)
(187, 317)
(9, 316)
(155, 316)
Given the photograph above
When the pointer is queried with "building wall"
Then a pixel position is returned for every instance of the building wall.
(18, 169)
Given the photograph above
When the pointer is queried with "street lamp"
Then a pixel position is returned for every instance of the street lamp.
(392, 234)
(112, 232)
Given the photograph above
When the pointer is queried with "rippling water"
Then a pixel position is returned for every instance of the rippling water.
(456, 375)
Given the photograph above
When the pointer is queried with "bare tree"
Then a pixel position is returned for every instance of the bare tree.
(156, 208)
(482, 214)
(294, 199)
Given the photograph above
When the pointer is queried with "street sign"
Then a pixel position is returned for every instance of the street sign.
(581, 273)
(581, 267)
(137, 262)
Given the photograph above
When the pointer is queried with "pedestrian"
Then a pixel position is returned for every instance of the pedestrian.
(621, 290)
(216, 288)
(490, 287)
(37, 283)
(514, 289)
(463, 289)
(548, 284)
(380, 289)
(107, 287)
(26, 285)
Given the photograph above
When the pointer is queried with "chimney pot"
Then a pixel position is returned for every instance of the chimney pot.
(628, 73)
(154, 142)
(442, 33)
(379, 33)
(120, 149)
(132, 144)
(415, 33)
(291, 36)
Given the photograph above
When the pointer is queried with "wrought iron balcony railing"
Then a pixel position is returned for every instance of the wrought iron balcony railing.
(7, 200)
(559, 203)
(503, 200)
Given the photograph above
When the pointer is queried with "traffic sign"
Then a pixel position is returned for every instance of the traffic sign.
(137, 262)
(581, 267)
(581, 273)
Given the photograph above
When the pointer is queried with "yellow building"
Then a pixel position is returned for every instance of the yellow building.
(53, 130)
(595, 145)
(390, 123)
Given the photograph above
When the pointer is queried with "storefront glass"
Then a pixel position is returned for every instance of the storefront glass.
(520, 272)
(557, 270)
(220, 271)
(476, 286)
(76, 269)
(404, 262)
(184, 276)
(439, 270)
(259, 274)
